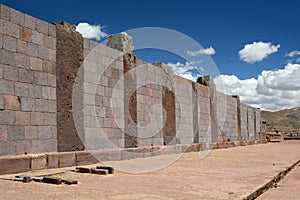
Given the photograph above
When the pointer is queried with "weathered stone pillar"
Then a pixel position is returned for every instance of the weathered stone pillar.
(239, 126)
(69, 57)
(123, 43)
(209, 81)
(168, 103)
(255, 133)
(195, 113)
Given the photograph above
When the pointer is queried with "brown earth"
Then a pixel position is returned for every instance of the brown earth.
(288, 188)
(223, 174)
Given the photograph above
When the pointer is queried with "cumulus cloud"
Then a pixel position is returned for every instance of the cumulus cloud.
(90, 31)
(293, 53)
(208, 51)
(184, 70)
(257, 51)
(272, 90)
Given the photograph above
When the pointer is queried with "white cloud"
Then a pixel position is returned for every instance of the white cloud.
(184, 70)
(90, 31)
(124, 33)
(257, 51)
(272, 90)
(208, 51)
(293, 53)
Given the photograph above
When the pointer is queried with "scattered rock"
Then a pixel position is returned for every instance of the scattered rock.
(52, 180)
(111, 170)
(69, 181)
(83, 169)
(99, 171)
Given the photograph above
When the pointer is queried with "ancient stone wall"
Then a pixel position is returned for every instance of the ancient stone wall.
(27, 84)
(61, 92)
(149, 105)
(227, 117)
(203, 102)
(103, 99)
(184, 110)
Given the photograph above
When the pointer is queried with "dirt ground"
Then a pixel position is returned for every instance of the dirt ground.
(288, 188)
(223, 174)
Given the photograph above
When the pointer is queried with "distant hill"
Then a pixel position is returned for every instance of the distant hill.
(283, 120)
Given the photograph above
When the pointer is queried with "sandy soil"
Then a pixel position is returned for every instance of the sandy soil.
(223, 174)
(288, 188)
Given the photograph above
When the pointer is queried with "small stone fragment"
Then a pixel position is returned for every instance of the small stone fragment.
(111, 170)
(37, 179)
(52, 180)
(69, 181)
(83, 169)
(99, 171)
(23, 177)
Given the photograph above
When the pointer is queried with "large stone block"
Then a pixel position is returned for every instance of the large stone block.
(1, 40)
(26, 34)
(168, 150)
(17, 17)
(12, 30)
(43, 52)
(44, 132)
(85, 158)
(7, 148)
(15, 164)
(22, 118)
(1, 102)
(27, 104)
(16, 132)
(32, 49)
(37, 118)
(3, 133)
(4, 12)
(49, 119)
(41, 26)
(52, 160)
(7, 117)
(3, 26)
(38, 161)
(101, 155)
(23, 146)
(8, 55)
(10, 43)
(37, 38)
(10, 73)
(22, 60)
(52, 30)
(114, 155)
(52, 106)
(26, 76)
(67, 159)
(130, 153)
(30, 22)
(12, 102)
(40, 78)
(35, 91)
(22, 89)
(36, 64)
(151, 151)
(41, 105)
(50, 42)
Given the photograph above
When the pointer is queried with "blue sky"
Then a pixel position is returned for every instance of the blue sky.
(226, 26)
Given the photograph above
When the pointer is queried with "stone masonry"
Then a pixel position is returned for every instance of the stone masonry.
(28, 114)
(62, 92)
